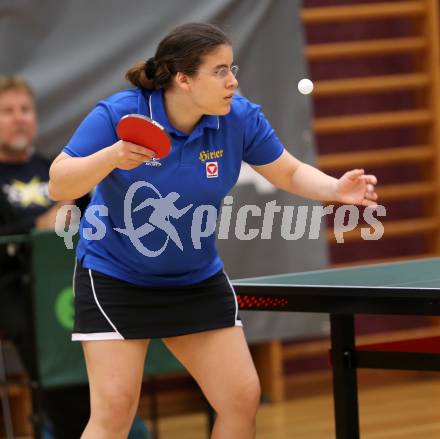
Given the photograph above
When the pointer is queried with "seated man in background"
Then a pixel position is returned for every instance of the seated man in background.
(25, 205)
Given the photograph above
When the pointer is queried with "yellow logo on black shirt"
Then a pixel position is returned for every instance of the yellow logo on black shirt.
(210, 155)
(24, 194)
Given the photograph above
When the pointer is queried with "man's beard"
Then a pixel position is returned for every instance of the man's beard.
(20, 144)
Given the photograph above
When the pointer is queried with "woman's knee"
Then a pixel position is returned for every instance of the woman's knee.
(113, 409)
(252, 395)
(243, 400)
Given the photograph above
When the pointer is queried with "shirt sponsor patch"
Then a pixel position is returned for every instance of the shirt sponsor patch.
(211, 169)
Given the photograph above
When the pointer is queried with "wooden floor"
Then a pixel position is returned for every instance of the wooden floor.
(399, 411)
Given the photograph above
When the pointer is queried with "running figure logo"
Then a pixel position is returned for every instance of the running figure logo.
(163, 209)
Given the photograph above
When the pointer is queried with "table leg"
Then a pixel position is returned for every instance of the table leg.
(344, 376)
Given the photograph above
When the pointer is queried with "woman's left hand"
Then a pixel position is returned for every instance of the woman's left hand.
(354, 187)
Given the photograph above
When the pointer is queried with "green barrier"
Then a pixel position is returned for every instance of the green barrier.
(14, 239)
(60, 361)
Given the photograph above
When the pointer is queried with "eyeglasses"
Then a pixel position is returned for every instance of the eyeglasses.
(223, 72)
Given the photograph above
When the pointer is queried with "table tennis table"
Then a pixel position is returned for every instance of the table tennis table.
(404, 288)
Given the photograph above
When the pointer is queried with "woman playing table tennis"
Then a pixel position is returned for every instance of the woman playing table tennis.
(163, 278)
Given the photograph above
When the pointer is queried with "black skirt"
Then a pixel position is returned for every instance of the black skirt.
(107, 308)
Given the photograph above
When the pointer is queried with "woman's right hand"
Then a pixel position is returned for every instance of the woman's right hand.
(127, 155)
(73, 177)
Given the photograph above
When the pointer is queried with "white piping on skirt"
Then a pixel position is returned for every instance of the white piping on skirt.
(237, 322)
(96, 336)
(100, 307)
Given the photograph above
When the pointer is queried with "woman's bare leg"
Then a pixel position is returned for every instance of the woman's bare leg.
(220, 362)
(115, 369)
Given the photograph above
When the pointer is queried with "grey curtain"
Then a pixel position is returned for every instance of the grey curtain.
(75, 52)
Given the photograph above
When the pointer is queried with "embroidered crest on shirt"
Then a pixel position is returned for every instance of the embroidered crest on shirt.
(211, 169)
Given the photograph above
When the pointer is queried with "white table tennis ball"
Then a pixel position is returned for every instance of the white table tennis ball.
(305, 86)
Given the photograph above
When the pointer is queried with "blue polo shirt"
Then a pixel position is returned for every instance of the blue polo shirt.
(155, 226)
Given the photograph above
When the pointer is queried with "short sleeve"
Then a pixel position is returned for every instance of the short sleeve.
(261, 144)
(95, 132)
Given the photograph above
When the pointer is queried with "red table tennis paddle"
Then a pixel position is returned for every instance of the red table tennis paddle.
(144, 131)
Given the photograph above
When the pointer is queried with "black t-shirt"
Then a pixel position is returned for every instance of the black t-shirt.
(23, 198)
(24, 191)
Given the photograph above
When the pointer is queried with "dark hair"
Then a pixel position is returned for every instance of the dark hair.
(181, 50)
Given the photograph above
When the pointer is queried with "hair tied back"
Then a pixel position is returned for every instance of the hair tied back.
(150, 68)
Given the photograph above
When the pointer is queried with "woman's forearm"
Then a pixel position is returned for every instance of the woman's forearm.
(309, 182)
(73, 177)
